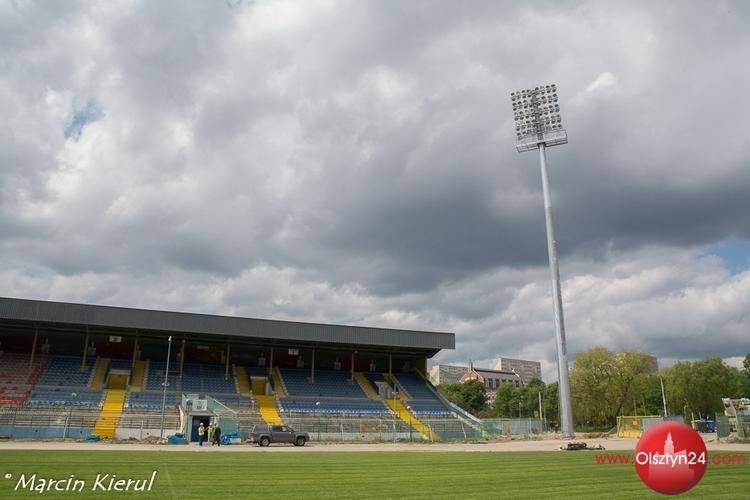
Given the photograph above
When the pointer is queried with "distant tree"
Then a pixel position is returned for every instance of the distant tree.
(551, 405)
(506, 399)
(513, 402)
(651, 400)
(473, 396)
(530, 397)
(697, 387)
(677, 382)
(469, 395)
(605, 384)
(745, 383)
(452, 392)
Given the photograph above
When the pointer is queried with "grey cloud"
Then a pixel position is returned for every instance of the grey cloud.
(365, 150)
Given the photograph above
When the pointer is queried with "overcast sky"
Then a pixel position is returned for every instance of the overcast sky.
(354, 162)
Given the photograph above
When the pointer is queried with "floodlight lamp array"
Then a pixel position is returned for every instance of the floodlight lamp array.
(536, 111)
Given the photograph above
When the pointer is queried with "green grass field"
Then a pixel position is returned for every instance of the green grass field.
(269, 474)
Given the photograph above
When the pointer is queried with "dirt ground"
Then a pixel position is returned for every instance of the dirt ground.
(610, 444)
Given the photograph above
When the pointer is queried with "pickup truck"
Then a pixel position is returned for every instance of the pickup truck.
(264, 435)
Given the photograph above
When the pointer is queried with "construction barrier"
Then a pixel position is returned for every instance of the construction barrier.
(635, 426)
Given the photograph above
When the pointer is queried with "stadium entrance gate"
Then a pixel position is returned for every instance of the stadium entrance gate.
(195, 422)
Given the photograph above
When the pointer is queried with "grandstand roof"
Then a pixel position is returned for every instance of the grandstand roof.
(73, 317)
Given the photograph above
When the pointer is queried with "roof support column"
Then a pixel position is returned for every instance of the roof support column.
(135, 351)
(85, 350)
(270, 361)
(33, 346)
(226, 370)
(390, 367)
(353, 353)
(312, 368)
(182, 356)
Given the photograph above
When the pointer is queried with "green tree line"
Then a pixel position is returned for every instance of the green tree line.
(606, 384)
(509, 401)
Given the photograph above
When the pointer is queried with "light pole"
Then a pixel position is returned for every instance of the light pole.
(317, 415)
(164, 392)
(663, 397)
(538, 125)
(395, 414)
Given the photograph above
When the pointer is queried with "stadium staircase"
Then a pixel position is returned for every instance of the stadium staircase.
(259, 386)
(367, 387)
(402, 392)
(268, 411)
(106, 424)
(139, 376)
(403, 413)
(243, 381)
(279, 388)
(99, 373)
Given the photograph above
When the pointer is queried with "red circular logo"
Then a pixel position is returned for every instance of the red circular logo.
(670, 458)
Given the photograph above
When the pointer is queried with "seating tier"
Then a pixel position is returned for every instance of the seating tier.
(328, 383)
(329, 406)
(66, 371)
(150, 400)
(68, 396)
(416, 387)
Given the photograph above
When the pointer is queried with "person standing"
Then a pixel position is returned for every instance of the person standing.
(201, 434)
(211, 434)
(217, 435)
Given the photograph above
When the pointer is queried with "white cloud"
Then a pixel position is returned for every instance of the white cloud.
(604, 84)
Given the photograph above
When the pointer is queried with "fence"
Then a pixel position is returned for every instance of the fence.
(635, 426)
(493, 427)
(35, 423)
(356, 429)
(226, 417)
(743, 425)
(31, 423)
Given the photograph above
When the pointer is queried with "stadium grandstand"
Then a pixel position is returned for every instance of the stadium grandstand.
(78, 370)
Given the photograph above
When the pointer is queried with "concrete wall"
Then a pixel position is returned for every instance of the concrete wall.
(43, 432)
(142, 433)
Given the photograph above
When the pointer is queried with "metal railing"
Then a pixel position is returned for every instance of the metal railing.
(62, 423)
(37, 423)
(493, 427)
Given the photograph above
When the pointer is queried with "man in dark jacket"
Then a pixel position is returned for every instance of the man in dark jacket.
(217, 435)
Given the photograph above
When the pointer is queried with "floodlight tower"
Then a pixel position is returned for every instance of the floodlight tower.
(538, 125)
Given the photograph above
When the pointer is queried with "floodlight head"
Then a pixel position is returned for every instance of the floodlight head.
(537, 117)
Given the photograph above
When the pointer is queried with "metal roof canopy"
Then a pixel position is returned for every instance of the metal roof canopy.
(249, 329)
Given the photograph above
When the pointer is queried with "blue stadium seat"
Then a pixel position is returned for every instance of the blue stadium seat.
(71, 397)
(423, 402)
(150, 400)
(328, 383)
(66, 371)
(357, 407)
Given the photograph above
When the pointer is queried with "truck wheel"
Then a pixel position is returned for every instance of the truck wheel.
(300, 441)
(264, 441)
